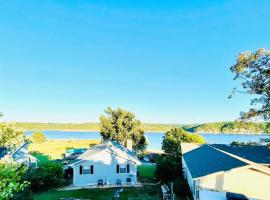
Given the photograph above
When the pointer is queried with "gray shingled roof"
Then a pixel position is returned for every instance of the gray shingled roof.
(3, 152)
(206, 160)
(257, 154)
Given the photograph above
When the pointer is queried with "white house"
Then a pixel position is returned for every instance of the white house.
(212, 172)
(19, 155)
(105, 163)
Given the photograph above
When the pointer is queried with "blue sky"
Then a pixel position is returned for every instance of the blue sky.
(166, 61)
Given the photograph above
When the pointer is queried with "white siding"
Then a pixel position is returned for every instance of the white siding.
(104, 168)
(193, 185)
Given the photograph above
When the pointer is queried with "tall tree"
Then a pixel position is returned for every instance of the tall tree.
(172, 139)
(253, 70)
(121, 125)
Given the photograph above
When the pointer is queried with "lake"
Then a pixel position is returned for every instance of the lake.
(153, 139)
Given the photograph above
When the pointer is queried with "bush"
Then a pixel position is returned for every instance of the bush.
(38, 137)
(48, 175)
(195, 138)
(26, 194)
(167, 168)
(11, 179)
(181, 188)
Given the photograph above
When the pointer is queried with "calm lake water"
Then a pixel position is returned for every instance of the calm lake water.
(153, 139)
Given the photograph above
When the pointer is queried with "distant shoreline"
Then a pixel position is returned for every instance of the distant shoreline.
(206, 128)
(161, 131)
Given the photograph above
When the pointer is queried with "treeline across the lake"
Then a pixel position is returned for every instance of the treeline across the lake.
(230, 127)
(92, 126)
(214, 127)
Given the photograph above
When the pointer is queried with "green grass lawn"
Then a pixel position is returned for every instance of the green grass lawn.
(141, 193)
(147, 171)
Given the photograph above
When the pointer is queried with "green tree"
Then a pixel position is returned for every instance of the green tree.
(121, 125)
(11, 179)
(38, 137)
(171, 143)
(253, 70)
(10, 137)
(195, 138)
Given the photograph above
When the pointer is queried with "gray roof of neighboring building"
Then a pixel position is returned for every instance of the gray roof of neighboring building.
(257, 154)
(111, 147)
(206, 160)
(3, 152)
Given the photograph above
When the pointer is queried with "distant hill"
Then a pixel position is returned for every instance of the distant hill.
(229, 127)
(29, 126)
(215, 127)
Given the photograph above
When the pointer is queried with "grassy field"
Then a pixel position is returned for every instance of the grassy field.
(141, 193)
(55, 148)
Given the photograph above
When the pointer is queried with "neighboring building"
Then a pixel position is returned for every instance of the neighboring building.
(20, 155)
(211, 172)
(72, 154)
(105, 163)
(257, 154)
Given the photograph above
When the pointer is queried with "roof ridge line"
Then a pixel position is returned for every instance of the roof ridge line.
(256, 165)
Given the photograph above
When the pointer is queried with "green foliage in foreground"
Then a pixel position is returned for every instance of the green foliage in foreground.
(168, 171)
(10, 137)
(11, 179)
(168, 168)
(47, 175)
(146, 193)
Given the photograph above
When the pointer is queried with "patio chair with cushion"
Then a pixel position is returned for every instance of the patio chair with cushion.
(100, 182)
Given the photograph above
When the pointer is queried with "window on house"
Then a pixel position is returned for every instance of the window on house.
(123, 168)
(87, 169)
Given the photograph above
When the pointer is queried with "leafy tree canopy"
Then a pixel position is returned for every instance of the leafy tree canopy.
(172, 140)
(253, 70)
(11, 179)
(38, 137)
(10, 137)
(121, 125)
